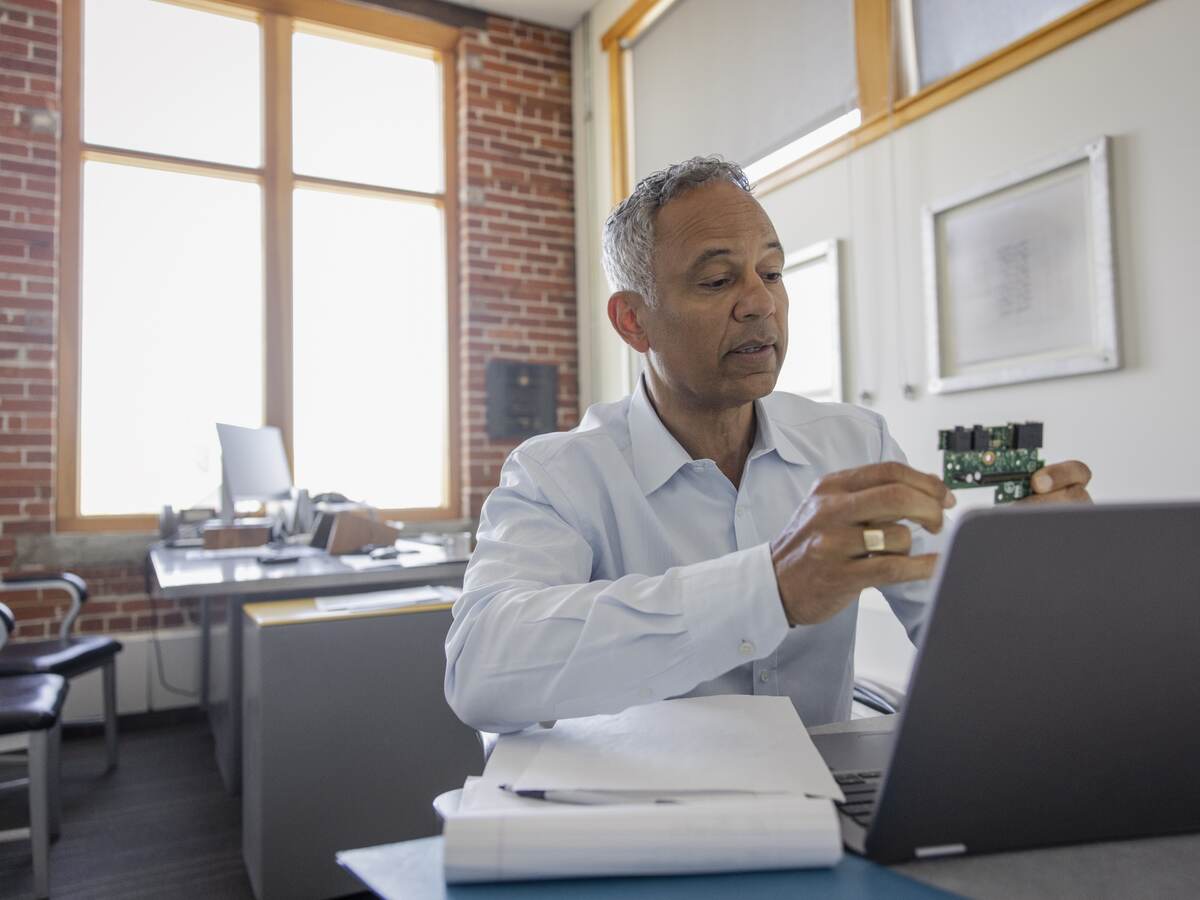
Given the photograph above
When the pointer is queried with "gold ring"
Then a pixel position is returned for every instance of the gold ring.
(873, 540)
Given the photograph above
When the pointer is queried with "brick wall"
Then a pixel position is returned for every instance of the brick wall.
(29, 92)
(517, 285)
(518, 250)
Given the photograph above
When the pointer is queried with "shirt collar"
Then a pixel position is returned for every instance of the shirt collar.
(771, 437)
(657, 455)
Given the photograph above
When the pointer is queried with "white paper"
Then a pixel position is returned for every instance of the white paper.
(388, 599)
(512, 755)
(547, 840)
(723, 743)
(251, 552)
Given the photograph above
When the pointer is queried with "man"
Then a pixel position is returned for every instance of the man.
(703, 535)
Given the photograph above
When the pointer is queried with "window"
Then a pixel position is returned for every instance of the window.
(949, 36)
(810, 82)
(802, 146)
(256, 231)
(693, 93)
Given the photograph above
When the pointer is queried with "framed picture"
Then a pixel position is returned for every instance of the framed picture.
(1019, 280)
(813, 364)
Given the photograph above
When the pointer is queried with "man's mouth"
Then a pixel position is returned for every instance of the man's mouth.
(753, 349)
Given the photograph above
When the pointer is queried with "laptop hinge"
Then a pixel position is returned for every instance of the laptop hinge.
(940, 850)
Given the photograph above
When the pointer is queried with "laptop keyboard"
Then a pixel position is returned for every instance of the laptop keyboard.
(860, 789)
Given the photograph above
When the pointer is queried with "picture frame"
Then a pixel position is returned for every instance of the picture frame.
(812, 366)
(1020, 282)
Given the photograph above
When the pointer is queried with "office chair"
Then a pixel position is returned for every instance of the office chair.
(32, 704)
(66, 655)
(881, 698)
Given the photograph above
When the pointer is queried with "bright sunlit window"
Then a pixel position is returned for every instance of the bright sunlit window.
(370, 341)
(389, 134)
(179, 198)
(802, 146)
(172, 339)
(171, 299)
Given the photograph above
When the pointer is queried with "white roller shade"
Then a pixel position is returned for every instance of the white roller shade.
(739, 78)
(952, 34)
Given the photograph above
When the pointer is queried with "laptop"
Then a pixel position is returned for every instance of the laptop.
(1055, 696)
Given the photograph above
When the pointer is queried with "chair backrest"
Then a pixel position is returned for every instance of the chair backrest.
(8, 621)
(61, 581)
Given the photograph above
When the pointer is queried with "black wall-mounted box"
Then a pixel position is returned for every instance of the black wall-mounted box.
(522, 399)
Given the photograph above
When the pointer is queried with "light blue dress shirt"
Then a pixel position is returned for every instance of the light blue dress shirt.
(612, 569)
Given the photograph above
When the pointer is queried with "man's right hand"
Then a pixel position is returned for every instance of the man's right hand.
(821, 560)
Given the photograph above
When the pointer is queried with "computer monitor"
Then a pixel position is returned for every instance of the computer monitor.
(254, 466)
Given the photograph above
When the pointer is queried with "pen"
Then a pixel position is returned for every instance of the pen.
(587, 798)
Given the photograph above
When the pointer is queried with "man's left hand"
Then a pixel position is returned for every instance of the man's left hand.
(1064, 482)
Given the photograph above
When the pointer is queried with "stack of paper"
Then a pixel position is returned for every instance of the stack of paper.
(709, 784)
(415, 596)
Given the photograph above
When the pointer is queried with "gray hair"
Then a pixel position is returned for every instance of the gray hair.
(629, 230)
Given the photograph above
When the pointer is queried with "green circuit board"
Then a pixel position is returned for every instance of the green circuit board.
(1000, 456)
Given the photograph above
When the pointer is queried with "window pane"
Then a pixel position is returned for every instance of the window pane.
(810, 368)
(371, 363)
(366, 114)
(950, 34)
(166, 79)
(172, 335)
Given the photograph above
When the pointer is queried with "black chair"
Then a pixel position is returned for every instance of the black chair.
(881, 698)
(32, 704)
(66, 655)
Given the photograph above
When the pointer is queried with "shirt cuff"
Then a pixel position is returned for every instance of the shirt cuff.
(732, 608)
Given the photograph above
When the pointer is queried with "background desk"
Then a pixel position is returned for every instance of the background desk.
(348, 738)
(223, 584)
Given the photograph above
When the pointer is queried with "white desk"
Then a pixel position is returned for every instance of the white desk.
(224, 583)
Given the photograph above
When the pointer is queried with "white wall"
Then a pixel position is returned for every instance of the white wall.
(1135, 80)
(603, 361)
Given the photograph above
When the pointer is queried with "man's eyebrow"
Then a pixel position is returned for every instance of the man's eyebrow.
(710, 254)
(725, 251)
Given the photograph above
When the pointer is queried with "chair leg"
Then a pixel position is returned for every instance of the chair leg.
(40, 776)
(110, 712)
(54, 778)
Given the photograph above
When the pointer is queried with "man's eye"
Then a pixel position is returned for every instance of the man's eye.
(772, 277)
(715, 284)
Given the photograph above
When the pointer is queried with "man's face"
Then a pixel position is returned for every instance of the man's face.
(718, 332)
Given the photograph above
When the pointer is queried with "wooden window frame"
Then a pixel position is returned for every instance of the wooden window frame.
(277, 19)
(883, 110)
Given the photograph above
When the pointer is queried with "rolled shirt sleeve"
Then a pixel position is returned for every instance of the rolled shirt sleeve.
(534, 638)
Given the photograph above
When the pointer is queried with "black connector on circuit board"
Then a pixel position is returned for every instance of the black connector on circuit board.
(1005, 456)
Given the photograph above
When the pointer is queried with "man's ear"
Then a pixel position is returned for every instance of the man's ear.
(624, 312)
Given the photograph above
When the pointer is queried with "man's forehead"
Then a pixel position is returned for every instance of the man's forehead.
(711, 216)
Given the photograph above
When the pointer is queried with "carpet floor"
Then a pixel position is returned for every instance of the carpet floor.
(161, 825)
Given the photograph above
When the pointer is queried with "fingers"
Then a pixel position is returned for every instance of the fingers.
(880, 474)
(893, 502)
(877, 571)
(852, 541)
(1075, 493)
(1059, 476)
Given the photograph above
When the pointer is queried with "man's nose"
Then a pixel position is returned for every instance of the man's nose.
(755, 301)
